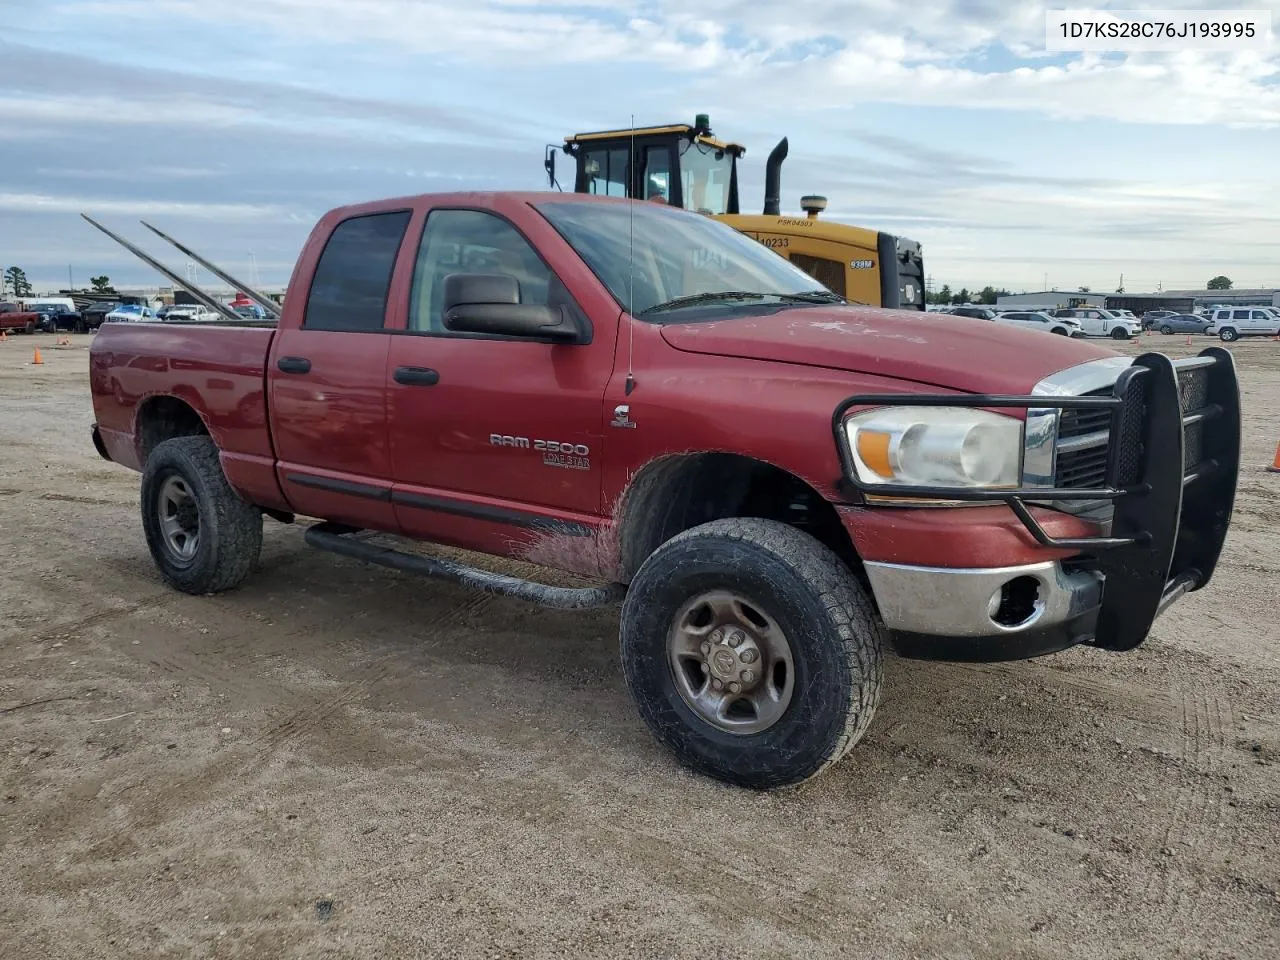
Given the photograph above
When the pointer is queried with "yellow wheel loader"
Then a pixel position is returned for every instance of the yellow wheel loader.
(687, 166)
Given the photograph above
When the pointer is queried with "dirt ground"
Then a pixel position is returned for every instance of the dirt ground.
(341, 761)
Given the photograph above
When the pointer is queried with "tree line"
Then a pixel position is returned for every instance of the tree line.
(14, 282)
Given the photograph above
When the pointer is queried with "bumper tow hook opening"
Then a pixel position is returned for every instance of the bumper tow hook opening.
(1017, 603)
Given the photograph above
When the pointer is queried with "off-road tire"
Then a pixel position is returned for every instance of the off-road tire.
(230, 530)
(835, 635)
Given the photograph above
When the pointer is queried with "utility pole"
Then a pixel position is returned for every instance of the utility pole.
(1046, 283)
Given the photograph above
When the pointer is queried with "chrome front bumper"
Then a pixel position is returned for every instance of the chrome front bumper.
(1001, 613)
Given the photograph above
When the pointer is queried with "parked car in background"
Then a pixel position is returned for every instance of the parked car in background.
(96, 313)
(1124, 314)
(1151, 316)
(130, 313)
(193, 312)
(1181, 323)
(18, 319)
(1236, 322)
(56, 316)
(1039, 320)
(1097, 322)
(978, 313)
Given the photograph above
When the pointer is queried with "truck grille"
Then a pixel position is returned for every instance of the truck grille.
(1084, 441)
(1084, 446)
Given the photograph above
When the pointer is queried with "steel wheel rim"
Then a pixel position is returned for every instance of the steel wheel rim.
(179, 518)
(731, 662)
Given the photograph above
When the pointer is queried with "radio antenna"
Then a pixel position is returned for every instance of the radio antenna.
(631, 275)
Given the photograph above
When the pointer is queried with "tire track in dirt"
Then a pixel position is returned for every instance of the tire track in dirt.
(309, 712)
(1193, 833)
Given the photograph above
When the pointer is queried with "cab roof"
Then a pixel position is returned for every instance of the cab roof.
(679, 129)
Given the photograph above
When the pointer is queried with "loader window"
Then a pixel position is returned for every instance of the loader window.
(606, 171)
(704, 174)
(471, 241)
(657, 174)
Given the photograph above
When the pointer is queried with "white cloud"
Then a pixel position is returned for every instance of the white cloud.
(813, 67)
(891, 53)
(40, 203)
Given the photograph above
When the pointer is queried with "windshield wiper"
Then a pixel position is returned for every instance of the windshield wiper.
(696, 298)
(812, 296)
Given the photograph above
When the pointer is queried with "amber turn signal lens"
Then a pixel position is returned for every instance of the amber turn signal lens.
(873, 449)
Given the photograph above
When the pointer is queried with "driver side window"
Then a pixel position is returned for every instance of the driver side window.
(472, 241)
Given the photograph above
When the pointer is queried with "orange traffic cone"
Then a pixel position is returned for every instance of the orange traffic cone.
(1275, 466)
(1188, 341)
(37, 359)
(4, 336)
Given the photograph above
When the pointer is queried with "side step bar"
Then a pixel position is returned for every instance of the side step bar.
(331, 537)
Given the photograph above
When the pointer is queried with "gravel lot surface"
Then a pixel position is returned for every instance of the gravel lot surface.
(340, 761)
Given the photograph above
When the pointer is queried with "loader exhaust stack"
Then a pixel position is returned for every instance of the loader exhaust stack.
(773, 179)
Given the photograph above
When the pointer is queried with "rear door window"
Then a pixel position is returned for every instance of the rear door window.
(349, 289)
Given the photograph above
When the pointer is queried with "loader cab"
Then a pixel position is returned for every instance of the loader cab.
(680, 164)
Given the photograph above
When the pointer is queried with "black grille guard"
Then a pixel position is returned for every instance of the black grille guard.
(1170, 518)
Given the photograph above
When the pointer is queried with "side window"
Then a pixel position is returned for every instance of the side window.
(472, 241)
(349, 289)
(657, 174)
(606, 171)
(1240, 315)
(1259, 315)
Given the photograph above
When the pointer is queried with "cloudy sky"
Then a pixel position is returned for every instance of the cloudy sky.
(233, 124)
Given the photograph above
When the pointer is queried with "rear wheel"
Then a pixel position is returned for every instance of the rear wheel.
(202, 536)
(1227, 334)
(30, 328)
(752, 652)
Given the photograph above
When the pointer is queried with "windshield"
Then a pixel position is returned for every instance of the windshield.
(676, 255)
(704, 175)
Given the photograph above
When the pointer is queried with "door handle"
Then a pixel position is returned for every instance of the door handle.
(416, 376)
(294, 364)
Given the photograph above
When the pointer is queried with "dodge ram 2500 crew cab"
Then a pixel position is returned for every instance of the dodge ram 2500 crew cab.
(776, 483)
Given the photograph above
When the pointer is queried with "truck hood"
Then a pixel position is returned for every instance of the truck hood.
(956, 353)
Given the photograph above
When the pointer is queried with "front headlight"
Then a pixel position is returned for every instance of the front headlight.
(935, 446)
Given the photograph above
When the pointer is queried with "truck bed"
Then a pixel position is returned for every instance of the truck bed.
(217, 369)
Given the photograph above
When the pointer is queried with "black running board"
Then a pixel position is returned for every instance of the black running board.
(326, 536)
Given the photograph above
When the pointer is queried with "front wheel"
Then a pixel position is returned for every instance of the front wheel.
(1119, 333)
(1166, 330)
(752, 652)
(202, 536)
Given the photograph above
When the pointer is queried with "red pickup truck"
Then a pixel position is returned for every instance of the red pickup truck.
(14, 316)
(777, 484)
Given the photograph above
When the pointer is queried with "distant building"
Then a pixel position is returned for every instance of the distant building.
(1050, 299)
(1256, 297)
(1182, 301)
